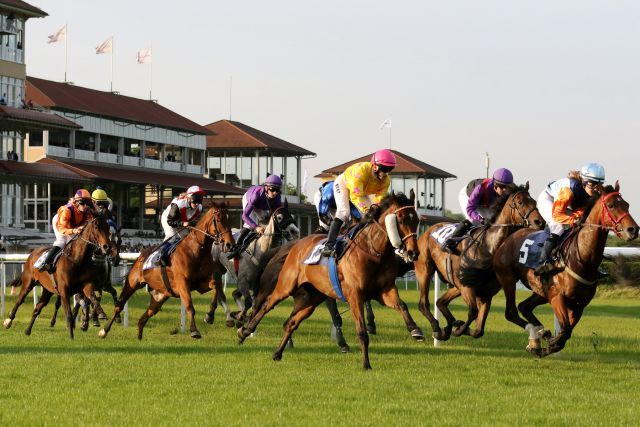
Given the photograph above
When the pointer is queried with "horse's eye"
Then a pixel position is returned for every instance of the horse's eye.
(280, 217)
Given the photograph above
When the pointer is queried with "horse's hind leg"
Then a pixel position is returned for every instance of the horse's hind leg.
(469, 295)
(217, 297)
(305, 302)
(114, 294)
(424, 272)
(336, 319)
(157, 299)
(44, 300)
(91, 297)
(66, 305)
(125, 294)
(27, 284)
(357, 311)
(391, 298)
(484, 304)
(371, 318)
(187, 302)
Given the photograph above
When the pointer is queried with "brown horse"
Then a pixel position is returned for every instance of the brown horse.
(73, 272)
(572, 285)
(469, 269)
(191, 269)
(367, 270)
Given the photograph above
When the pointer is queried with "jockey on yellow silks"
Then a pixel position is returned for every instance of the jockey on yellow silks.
(357, 184)
(67, 222)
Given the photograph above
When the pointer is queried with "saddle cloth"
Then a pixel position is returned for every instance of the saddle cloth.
(163, 251)
(532, 247)
(43, 256)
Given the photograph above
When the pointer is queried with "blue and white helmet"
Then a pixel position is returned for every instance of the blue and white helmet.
(592, 172)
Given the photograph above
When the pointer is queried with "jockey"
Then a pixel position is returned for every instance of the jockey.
(325, 203)
(69, 220)
(102, 203)
(355, 185)
(476, 199)
(562, 204)
(183, 211)
(258, 203)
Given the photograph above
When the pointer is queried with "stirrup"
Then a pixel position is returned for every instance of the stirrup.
(328, 251)
(546, 267)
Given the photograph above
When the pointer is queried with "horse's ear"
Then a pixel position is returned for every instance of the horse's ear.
(617, 186)
(526, 185)
(412, 196)
(286, 203)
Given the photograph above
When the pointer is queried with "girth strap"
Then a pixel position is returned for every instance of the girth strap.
(578, 277)
(165, 280)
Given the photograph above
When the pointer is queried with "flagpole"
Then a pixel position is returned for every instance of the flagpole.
(151, 76)
(111, 63)
(230, 94)
(390, 138)
(66, 40)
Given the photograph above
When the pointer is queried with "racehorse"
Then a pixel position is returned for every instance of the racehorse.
(572, 284)
(280, 229)
(469, 268)
(367, 270)
(191, 269)
(72, 274)
(102, 265)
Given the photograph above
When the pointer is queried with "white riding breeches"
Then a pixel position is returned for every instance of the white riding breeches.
(545, 207)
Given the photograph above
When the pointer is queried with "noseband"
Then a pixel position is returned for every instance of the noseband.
(525, 218)
(410, 235)
(217, 236)
(609, 215)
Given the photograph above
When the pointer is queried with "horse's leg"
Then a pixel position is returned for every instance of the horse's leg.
(237, 297)
(56, 307)
(86, 314)
(443, 305)
(66, 306)
(77, 304)
(483, 304)
(567, 318)
(187, 302)
(114, 294)
(125, 294)
(157, 299)
(97, 308)
(508, 279)
(469, 296)
(218, 294)
(357, 311)
(534, 327)
(371, 318)
(424, 272)
(27, 284)
(391, 299)
(303, 306)
(336, 319)
(44, 300)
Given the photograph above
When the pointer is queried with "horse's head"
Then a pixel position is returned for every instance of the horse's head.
(397, 214)
(611, 211)
(220, 227)
(517, 207)
(97, 234)
(284, 223)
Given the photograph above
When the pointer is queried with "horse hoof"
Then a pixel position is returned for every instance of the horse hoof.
(290, 343)
(118, 319)
(7, 323)
(84, 327)
(96, 323)
(102, 333)
(417, 335)
(196, 335)
(230, 323)
(238, 324)
(345, 349)
(208, 319)
(277, 357)
(27, 332)
(371, 330)
(241, 335)
(477, 334)
(458, 323)
(102, 316)
(457, 332)
(547, 335)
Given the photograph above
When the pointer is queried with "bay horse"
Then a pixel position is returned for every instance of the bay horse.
(469, 270)
(367, 270)
(191, 269)
(280, 229)
(572, 284)
(73, 273)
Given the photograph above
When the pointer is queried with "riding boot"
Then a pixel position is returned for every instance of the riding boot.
(239, 243)
(48, 262)
(545, 255)
(334, 229)
(450, 244)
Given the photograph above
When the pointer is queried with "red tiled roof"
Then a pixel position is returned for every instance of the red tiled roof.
(28, 119)
(139, 176)
(24, 7)
(44, 170)
(94, 102)
(406, 165)
(228, 134)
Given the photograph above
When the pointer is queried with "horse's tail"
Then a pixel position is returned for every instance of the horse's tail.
(271, 264)
(16, 282)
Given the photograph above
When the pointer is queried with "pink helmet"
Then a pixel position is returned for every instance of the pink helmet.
(384, 157)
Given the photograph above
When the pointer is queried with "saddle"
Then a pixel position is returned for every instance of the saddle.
(42, 258)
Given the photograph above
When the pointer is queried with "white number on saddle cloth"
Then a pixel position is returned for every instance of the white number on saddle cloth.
(443, 233)
(524, 251)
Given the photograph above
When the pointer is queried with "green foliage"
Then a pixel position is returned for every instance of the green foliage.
(175, 380)
(454, 215)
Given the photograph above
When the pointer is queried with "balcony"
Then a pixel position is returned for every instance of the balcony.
(130, 161)
(84, 154)
(54, 150)
(173, 166)
(194, 169)
(108, 158)
(152, 163)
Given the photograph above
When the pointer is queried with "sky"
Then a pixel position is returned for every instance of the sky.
(543, 86)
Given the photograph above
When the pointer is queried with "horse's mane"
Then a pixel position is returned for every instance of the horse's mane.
(389, 199)
(498, 205)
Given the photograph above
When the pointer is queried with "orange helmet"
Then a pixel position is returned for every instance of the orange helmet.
(82, 194)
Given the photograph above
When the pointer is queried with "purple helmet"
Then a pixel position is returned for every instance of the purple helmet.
(273, 180)
(503, 176)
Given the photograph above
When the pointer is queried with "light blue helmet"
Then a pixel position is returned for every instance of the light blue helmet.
(592, 172)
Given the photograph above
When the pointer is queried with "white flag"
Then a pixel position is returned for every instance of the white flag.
(106, 46)
(59, 35)
(386, 124)
(144, 56)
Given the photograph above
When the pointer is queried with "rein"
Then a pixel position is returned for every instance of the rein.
(217, 237)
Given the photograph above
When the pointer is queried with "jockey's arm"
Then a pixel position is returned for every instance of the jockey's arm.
(246, 216)
(560, 206)
(174, 218)
(64, 223)
(472, 204)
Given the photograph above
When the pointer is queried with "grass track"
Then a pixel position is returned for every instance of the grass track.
(165, 379)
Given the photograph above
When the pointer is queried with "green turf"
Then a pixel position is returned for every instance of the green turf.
(167, 379)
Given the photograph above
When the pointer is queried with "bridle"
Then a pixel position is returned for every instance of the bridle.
(607, 216)
(410, 235)
(525, 218)
(217, 236)
(281, 228)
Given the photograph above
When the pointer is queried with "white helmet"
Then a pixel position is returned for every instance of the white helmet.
(592, 172)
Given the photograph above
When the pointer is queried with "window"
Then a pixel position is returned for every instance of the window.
(109, 144)
(35, 139)
(132, 147)
(59, 138)
(85, 141)
(152, 151)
